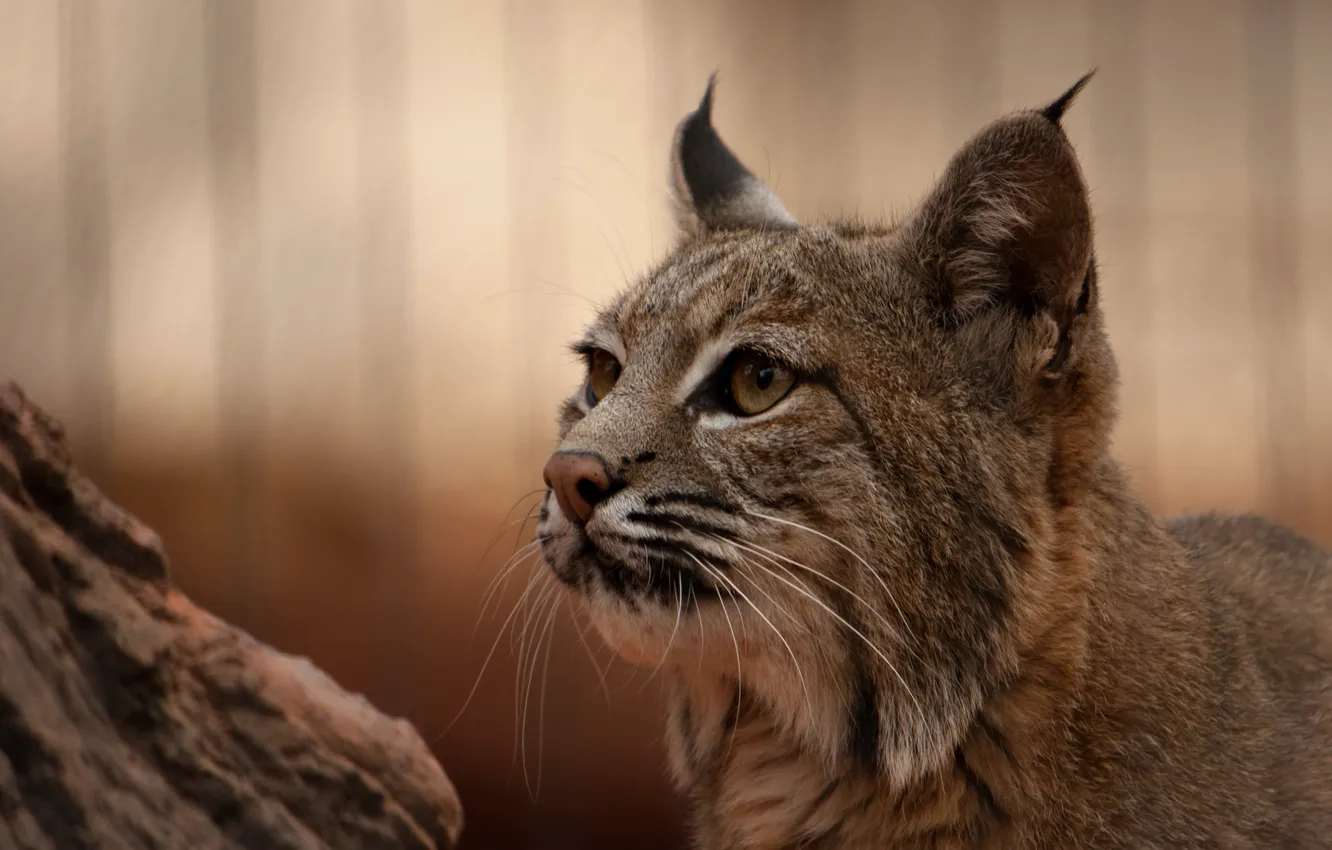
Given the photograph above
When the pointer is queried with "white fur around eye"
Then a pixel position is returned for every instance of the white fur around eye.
(608, 340)
(718, 420)
(706, 361)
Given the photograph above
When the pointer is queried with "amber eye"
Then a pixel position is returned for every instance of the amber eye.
(758, 382)
(602, 376)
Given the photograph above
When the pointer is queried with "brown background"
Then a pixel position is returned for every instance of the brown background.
(297, 276)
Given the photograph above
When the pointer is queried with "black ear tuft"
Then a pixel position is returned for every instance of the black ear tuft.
(711, 171)
(1055, 111)
(713, 188)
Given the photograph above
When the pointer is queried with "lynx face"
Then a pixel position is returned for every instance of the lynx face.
(819, 464)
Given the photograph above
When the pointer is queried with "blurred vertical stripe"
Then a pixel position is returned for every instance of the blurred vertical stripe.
(299, 277)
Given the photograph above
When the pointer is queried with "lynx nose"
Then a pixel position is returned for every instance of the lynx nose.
(580, 481)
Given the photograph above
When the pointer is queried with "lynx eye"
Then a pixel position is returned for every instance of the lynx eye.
(601, 377)
(758, 382)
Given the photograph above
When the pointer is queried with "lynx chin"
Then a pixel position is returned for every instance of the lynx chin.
(850, 486)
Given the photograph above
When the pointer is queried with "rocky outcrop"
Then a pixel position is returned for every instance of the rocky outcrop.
(130, 718)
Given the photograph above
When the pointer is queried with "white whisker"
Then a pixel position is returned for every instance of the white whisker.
(795, 621)
(679, 611)
(505, 569)
(501, 579)
(702, 637)
(486, 663)
(769, 555)
(505, 524)
(883, 584)
(546, 634)
(526, 648)
(853, 630)
(739, 673)
(582, 640)
(735, 587)
(829, 664)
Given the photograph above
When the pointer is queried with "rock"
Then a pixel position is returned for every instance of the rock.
(130, 718)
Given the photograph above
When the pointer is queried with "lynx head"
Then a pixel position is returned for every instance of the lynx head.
(825, 467)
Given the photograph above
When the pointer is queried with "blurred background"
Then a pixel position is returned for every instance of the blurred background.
(298, 276)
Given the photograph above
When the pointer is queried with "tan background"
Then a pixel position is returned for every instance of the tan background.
(297, 276)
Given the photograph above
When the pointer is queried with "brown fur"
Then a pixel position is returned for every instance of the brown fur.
(915, 604)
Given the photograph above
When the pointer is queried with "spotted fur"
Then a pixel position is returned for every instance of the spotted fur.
(915, 603)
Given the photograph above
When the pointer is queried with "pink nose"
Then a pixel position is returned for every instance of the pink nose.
(580, 481)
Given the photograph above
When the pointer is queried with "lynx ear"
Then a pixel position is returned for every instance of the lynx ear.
(1009, 221)
(713, 190)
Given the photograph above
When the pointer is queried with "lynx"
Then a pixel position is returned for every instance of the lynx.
(849, 486)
